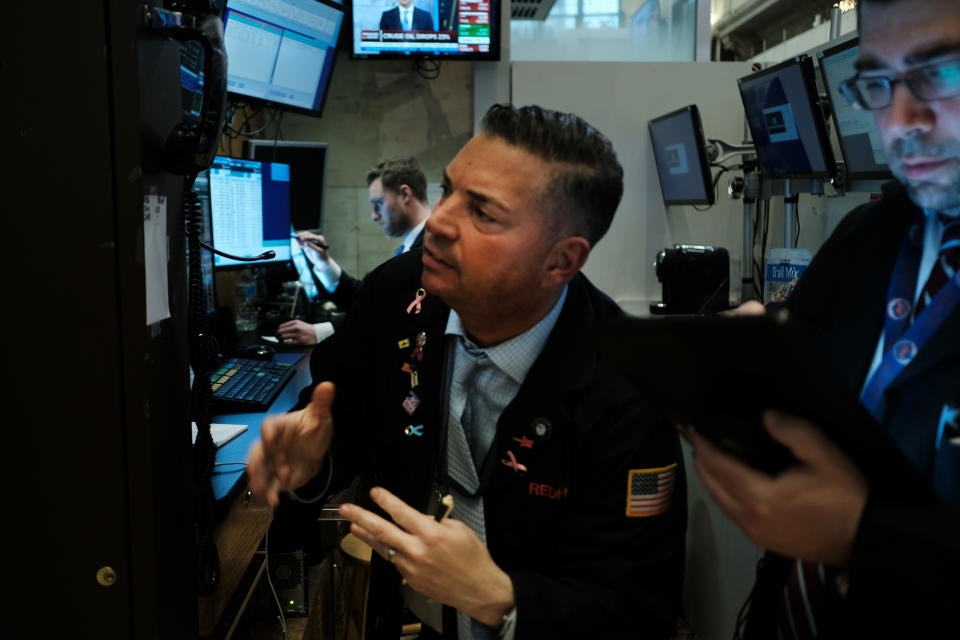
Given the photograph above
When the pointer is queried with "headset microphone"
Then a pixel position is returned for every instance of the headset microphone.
(266, 255)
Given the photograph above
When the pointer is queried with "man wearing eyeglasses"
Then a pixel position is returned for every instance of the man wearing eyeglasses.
(880, 299)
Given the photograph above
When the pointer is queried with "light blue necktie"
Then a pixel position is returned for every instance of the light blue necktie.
(397, 251)
(407, 20)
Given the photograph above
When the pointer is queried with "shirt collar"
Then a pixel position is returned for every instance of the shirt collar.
(516, 355)
(411, 235)
(404, 9)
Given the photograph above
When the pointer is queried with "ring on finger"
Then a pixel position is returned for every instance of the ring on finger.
(391, 554)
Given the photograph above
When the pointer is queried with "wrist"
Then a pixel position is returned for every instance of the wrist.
(499, 604)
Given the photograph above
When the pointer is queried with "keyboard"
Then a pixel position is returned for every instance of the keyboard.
(248, 385)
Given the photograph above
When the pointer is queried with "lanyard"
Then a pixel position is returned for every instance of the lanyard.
(901, 339)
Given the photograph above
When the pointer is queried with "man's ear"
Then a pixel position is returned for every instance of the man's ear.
(406, 193)
(565, 259)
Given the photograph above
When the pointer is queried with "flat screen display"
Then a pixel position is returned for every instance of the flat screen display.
(786, 121)
(281, 51)
(856, 129)
(250, 209)
(679, 148)
(308, 171)
(302, 265)
(442, 29)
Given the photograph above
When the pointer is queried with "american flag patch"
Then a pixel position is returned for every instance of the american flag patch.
(649, 490)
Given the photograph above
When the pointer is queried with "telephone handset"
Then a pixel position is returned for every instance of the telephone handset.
(190, 148)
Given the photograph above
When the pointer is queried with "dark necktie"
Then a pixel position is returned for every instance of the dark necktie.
(948, 261)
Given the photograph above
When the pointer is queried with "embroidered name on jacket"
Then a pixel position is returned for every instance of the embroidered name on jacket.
(546, 491)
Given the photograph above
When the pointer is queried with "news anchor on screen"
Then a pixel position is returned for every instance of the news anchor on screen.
(406, 17)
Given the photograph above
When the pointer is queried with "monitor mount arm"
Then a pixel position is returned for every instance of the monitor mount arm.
(748, 188)
(718, 150)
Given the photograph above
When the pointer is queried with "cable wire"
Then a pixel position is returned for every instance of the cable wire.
(202, 354)
(428, 68)
(273, 590)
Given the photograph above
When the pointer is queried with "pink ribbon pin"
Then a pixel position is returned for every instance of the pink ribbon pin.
(513, 464)
(415, 305)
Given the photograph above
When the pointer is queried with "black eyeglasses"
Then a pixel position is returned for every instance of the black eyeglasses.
(930, 82)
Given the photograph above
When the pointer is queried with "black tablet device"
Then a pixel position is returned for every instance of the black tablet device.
(720, 373)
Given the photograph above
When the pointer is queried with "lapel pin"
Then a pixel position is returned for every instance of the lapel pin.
(418, 348)
(404, 344)
(411, 402)
(525, 442)
(513, 464)
(414, 430)
(541, 428)
(415, 305)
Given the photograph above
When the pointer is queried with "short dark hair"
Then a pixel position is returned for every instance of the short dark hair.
(395, 172)
(587, 180)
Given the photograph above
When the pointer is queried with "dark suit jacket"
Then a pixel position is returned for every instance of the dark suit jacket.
(390, 20)
(905, 571)
(347, 289)
(579, 566)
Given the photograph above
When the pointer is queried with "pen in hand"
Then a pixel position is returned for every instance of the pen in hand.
(313, 241)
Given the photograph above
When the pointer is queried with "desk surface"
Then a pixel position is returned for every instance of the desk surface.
(226, 477)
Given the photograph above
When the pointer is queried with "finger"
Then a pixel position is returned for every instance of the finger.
(403, 514)
(374, 530)
(734, 477)
(703, 453)
(807, 442)
(320, 402)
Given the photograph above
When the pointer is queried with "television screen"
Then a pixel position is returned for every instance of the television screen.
(856, 129)
(281, 52)
(250, 209)
(786, 122)
(679, 149)
(442, 29)
(308, 176)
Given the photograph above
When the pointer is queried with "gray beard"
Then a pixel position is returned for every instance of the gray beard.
(944, 198)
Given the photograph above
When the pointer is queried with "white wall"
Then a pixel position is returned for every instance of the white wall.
(619, 99)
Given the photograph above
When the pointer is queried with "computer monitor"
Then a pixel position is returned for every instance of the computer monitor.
(304, 272)
(250, 209)
(856, 129)
(308, 176)
(281, 52)
(439, 29)
(786, 121)
(680, 151)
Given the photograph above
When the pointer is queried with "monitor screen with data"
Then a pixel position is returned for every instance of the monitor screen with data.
(786, 121)
(856, 129)
(250, 209)
(281, 52)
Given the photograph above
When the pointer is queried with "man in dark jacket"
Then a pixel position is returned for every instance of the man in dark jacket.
(880, 301)
(398, 201)
(466, 370)
(406, 17)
